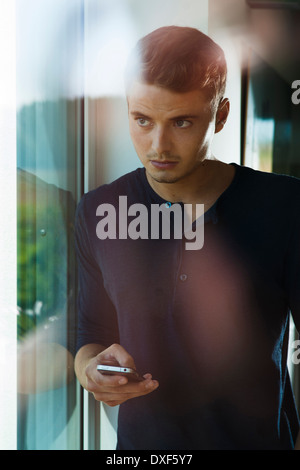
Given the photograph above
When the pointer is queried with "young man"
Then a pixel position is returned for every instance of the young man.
(206, 327)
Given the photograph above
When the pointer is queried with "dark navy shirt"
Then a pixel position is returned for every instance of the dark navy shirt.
(211, 325)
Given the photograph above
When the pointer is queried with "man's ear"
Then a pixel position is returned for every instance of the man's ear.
(222, 114)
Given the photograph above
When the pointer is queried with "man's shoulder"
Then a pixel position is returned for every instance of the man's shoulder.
(271, 184)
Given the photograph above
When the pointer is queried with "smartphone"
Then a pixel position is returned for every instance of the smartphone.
(131, 374)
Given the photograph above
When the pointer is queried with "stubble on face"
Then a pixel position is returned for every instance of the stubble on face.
(167, 176)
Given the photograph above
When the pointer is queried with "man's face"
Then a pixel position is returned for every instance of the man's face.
(171, 132)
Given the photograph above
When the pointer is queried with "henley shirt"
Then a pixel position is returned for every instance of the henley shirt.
(211, 325)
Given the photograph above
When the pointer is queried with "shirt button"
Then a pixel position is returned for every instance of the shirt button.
(183, 277)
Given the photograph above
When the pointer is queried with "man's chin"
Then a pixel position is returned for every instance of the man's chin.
(163, 178)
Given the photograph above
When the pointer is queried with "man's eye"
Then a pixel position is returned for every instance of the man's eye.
(182, 123)
(143, 122)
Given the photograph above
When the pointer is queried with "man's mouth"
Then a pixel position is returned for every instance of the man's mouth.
(163, 164)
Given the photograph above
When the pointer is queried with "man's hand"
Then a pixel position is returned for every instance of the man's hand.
(114, 389)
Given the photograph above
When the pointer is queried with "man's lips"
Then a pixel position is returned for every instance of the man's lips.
(164, 164)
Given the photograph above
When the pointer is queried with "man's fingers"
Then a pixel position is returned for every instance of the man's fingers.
(121, 394)
(121, 384)
(107, 381)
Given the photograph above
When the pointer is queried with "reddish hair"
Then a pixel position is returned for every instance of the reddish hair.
(180, 59)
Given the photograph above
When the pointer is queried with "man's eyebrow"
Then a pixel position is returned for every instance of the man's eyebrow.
(139, 114)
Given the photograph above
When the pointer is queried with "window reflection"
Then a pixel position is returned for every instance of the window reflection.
(272, 140)
(46, 299)
(272, 121)
(49, 175)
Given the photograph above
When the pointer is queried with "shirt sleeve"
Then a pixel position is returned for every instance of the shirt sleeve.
(97, 319)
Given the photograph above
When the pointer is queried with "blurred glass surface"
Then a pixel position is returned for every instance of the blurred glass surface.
(49, 184)
(272, 120)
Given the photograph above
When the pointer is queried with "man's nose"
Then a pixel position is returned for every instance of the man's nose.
(161, 142)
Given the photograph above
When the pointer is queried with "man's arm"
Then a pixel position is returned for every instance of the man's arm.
(95, 325)
(112, 390)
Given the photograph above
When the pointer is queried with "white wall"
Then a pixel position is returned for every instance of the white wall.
(227, 143)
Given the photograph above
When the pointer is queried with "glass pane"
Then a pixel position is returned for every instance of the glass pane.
(49, 144)
(272, 143)
(272, 121)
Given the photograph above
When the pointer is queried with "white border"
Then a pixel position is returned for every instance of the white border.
(8, 274)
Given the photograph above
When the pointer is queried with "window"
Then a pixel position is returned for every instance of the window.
(49, 185)
(271, 144)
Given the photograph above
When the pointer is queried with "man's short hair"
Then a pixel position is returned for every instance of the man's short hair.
(180, 59)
